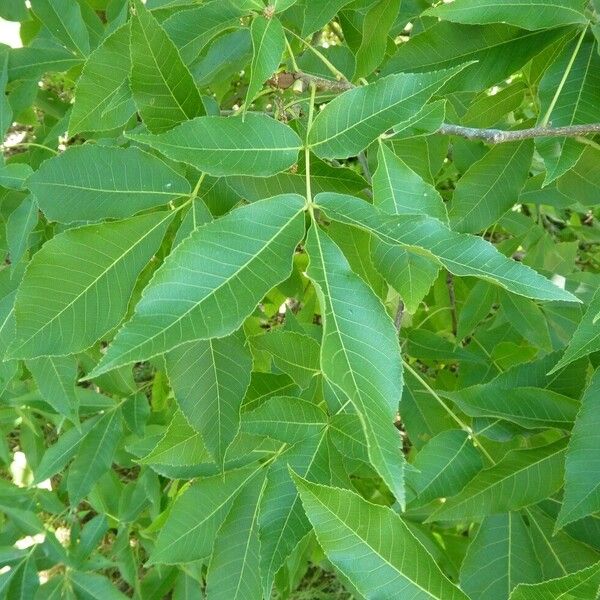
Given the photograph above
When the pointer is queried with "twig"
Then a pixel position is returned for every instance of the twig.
(399, 315)
(500, 136)
(490, 136)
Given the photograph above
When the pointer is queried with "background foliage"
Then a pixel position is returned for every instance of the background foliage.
(300, 300)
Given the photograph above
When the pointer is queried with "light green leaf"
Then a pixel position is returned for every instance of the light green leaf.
(234, 262)
(354, 119)
(586, 338)
(209, 379)
(286, 419)
(180, 446)
(191, 30)
(398, 190)
(582, 467)
(55, 377)
(257, 146)
(491, 186)
(500, 557)
(529, 407)
(428, 120)
(234, 569)
(371, 546)
(444, 466)
(488, 110)
(27, 63)
(463, 255)
(76, 185)
(359, 338)
(103, 98)
(268, 44)
(294, 353)
(578, 103)
(376, 25)
(580, 585)
(163, 88)
(521, 478)
(100, 265)
(64, 21)
(94, 455)
(528, 14)
(196, 516)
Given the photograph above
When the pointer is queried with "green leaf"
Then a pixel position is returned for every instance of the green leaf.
(94, 456)
(103, 98)
(285, 419)
(358, 338)
(557, 551)
(529, 407)
(27, 63)
(528, 14)
(372, 546)
(293, 353)
(74, 185)
(209, 379)
(59, 454)
(197, 515)
(376, 26)
(283, 523)
(234, 570)
(521, 478)
(500, 557)
(55, 377)
(582, 471)
(100, 265)
(531, 321)
(236, 260)
(398, 190)
(191, 30)
(582, 182)
(582, 584)
(256, 146)
(180, 446)
(350, 122)
(490, 187)
(577, 103)
(64, 21)
(318, 14)
(19, 227)
(463, 255)
(444, 466)
(163, 88)
(499, 50)
(586, 338)
(268, 44)
(475, 308)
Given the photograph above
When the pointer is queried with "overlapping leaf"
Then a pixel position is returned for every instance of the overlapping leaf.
(212, 281)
